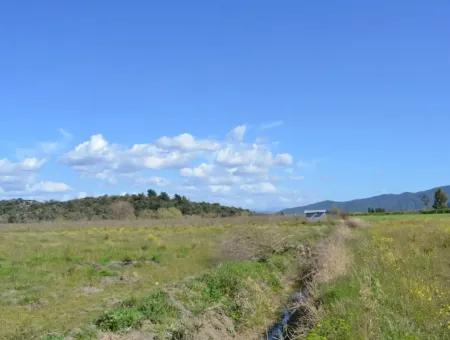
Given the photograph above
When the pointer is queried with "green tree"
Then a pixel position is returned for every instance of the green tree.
(440, 199)
(163, 196)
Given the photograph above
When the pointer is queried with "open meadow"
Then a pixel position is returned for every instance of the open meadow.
(378, 277)
(56, 279)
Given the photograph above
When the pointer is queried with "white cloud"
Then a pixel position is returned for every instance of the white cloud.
(272, 125)
(66, 134)
(238, 133)
(202, 171)
(212, 174)
(220, 188)
(100, 159)
(187, 142)
(48, 187)
(19, 179)
(256, 155)
(229, 168)
(240, 155)
(259, 188)
(153, 180)
(284, 159)
(15, 168)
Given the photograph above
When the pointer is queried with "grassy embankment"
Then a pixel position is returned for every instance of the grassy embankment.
(398, 285)
(60, 280)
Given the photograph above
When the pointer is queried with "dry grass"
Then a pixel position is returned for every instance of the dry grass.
(188, 221)
(331, 261)
(333, 257)
(256, 244)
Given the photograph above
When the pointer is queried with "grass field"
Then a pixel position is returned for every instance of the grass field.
(388, 277)
(398, 285)
(60, 278)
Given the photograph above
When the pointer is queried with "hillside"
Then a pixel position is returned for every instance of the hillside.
(148, 205)
(390, 202)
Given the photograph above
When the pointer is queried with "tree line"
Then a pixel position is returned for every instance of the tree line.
(143, 205)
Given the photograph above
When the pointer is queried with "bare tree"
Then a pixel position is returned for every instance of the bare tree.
(122, 210)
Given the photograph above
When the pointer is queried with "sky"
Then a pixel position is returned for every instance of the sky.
(259, 104)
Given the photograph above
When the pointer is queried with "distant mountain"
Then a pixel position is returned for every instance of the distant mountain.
(390, 202)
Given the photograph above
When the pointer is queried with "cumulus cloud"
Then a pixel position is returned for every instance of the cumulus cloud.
(19, 179)
(100, 159)
(239, 166)
(256, 155)
(15, 168)
(229, 167)
(202, 171)
(48, 187)
(187, 142)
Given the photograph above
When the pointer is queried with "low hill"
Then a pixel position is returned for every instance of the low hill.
(407, 201)
(148, 205)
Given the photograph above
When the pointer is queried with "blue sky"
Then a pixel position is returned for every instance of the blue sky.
(260, 104)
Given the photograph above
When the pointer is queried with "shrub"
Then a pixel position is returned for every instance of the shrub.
(157, 307)
(119, 319)
(230, 286)
(168, 213)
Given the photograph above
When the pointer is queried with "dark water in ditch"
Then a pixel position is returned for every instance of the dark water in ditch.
(283, 328)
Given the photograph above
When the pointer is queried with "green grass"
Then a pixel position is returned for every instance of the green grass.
(155, 307)
(230, 283)
(247, 292)
(398, 286)
(58, 278)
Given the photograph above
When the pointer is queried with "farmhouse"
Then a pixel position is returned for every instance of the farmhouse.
(315, 215)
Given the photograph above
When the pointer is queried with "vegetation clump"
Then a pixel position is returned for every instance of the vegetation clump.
(150, 205)
(155, 307)
(440, 199)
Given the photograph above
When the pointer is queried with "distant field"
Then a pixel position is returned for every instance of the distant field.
(56, 278)
(397, 286)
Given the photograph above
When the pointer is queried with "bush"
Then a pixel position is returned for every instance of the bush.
(230, 286)
(156, 307)
(436, 211)
(168, 213)
(119, 319)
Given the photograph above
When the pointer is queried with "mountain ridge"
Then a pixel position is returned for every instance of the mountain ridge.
(406, 201)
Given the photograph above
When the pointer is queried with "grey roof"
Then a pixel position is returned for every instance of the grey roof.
(315, 211)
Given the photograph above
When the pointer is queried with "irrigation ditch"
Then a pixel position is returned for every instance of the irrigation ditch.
(325, 262)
